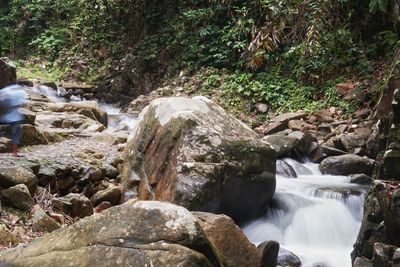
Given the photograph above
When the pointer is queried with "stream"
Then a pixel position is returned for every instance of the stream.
(315, 216)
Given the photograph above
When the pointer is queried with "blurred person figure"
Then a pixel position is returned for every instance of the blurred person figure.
(12, 98)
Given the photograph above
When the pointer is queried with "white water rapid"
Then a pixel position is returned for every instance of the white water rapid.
(315, 216)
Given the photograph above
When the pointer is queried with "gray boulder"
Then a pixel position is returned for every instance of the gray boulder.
(14, 175)
(145, 233)
(74, 205)
(282, 144)
(18, 196)
(191, 152)
(346, 165)
(288, 259)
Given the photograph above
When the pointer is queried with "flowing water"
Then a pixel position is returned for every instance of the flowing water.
(315, 216)
(117, 120)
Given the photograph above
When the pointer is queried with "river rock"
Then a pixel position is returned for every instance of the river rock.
(346, 165)
(8, 73)
(191, 152)
(383, 255)
(269, 251)
(230, 241)
(281, 144)
(18, 196)
(284, 169)
(145, 233)
(360, 179)
(14, 175)
(288, 259)
(74, 205)
(90, 109)
(352, 141)
(111, 195)
(362, 262)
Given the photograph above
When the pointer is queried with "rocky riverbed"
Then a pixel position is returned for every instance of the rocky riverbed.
(145, 191)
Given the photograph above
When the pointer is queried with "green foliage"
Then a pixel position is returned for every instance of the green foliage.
(240, 88)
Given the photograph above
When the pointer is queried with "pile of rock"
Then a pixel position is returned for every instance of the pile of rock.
(340, 146)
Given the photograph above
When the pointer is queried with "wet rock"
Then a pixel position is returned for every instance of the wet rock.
(14, 175)
(331, 151)
(362, 262)
(288, 259)
(346, 165)
(320, 264)
(383, 255)
(74, 205)
(285, 170)
(391, 164)
(281, 144)
(269, 251)
(299, 168)
(360, 179)
(193, 153)
(305, 141)
(18, 196)
(8, 73)
(137, 234)
(111, 195)
(43, 222)
(230, 241)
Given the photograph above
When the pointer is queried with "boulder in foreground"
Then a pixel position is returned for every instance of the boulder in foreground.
(145, 233)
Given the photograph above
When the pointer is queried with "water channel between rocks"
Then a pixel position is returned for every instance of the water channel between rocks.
(315, 216)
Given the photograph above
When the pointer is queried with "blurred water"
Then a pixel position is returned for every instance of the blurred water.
(315, 216)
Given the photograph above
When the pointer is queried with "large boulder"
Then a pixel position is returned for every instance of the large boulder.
(191, 152)
(8, 73)
(144, 233)
(230, 241)
(346, 165)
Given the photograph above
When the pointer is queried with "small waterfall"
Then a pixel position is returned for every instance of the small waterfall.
(315, 216)
(116, 119)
